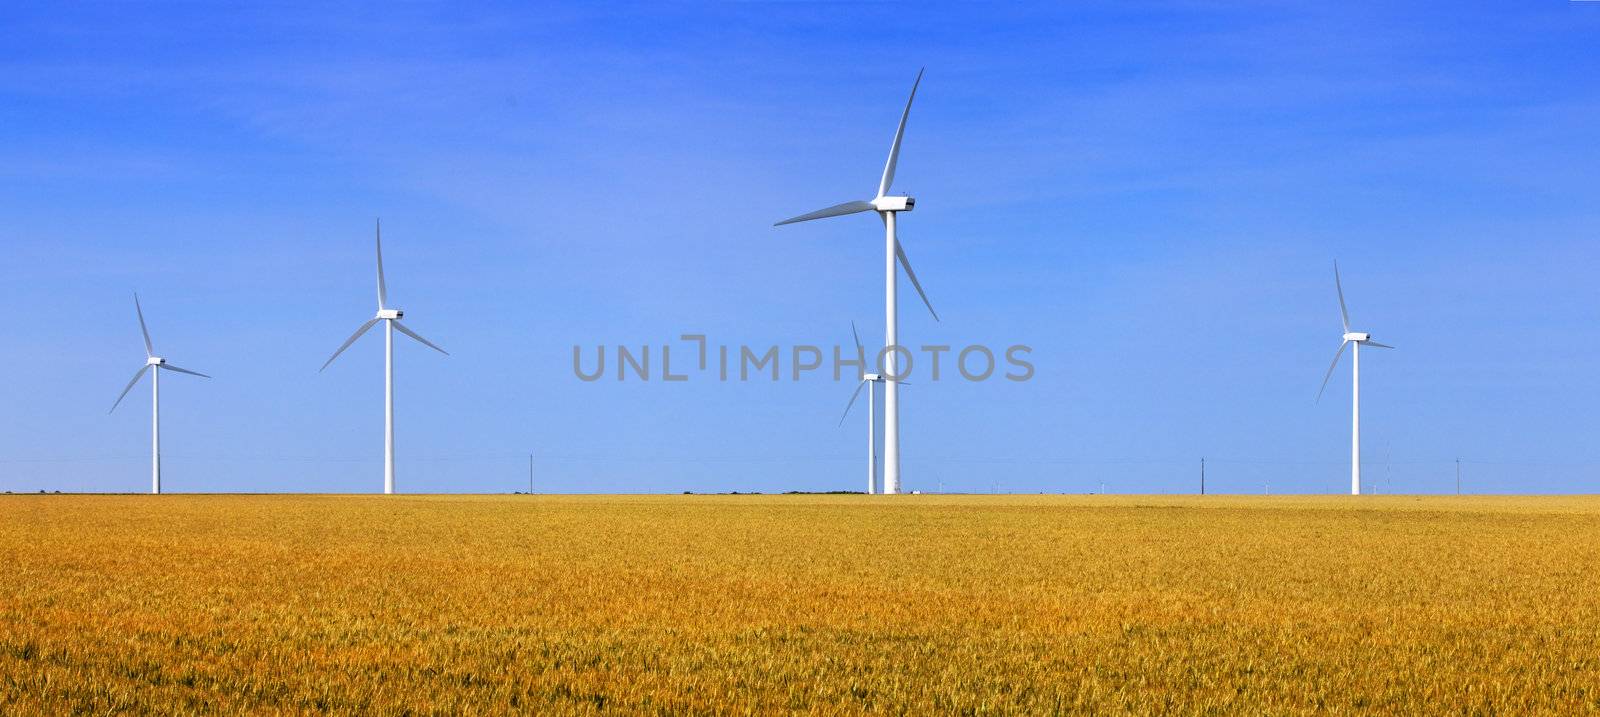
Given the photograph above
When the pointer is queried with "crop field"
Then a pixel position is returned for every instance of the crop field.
(768, 604)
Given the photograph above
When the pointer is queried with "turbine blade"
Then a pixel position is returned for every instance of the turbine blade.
(1331, 366)
(899, 132)
(852, 402)
(149, 350)
(136, 376)
(833, 211)
(861, 351)
(383, 290)
(170, 367)
(1375, 344)
(900, 252)
(1343, 312)
(347, 342)
(402, 329)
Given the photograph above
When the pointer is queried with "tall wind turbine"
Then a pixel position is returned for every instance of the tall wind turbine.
(887, 207)
(155, 365)
(391, 323)
(867, 381)
(1357, 339)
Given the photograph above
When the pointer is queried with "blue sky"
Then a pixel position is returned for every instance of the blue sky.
(1151, 195)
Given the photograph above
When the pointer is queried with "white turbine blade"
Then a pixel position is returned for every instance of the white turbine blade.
(1375, 344)
(861, 351)
(833, 211)
(347, 342)
(900, 252)
(402, 329)
(149, 350)
(136, 376)
(1331, 366)
(899, 132)
(852, 402)
(383, 290)
(1343, 312)
(170, 367)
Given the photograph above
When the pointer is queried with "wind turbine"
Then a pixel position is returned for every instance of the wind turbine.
(887, 207)
(154, 364)
(391, 323)
(1357, 339)
(868, 381)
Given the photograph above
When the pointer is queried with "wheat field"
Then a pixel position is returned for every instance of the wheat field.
(817, 604)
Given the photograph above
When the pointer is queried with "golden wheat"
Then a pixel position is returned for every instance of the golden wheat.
(831, 604)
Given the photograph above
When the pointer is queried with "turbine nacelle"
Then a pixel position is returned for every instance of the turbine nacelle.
(1358, 336)
(894, 204)
(390, 314)
(154, 361)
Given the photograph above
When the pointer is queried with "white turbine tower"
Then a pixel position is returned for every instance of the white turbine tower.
(867, 381)
(887, 208)
(158, 364)
(1358, 339)
(391, 323)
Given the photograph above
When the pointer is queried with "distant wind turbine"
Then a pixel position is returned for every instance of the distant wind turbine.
(391, 323)
(867, 381)
(887, 208)
(1356, 339)
(1388, 473)
(154, 364)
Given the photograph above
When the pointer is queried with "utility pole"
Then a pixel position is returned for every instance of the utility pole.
(530, 472)
(1458, 476)
(1202, 475)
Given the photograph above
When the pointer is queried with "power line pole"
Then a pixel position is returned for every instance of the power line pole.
(530, 472)
(1458, 476)
(1202, 475)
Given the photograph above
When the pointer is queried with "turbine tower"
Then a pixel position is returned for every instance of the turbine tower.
(868, 381)
(1357, 339)
(887, 207)
(155, 365)
(391, 323)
